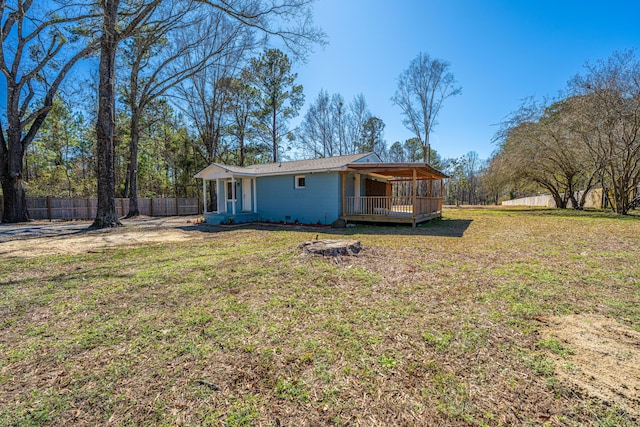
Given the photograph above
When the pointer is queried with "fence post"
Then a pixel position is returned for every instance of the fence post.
(177, 207)
(150, 206)
(49, 208)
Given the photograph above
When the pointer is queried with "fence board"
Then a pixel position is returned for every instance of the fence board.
(593, 200)
(86, 208)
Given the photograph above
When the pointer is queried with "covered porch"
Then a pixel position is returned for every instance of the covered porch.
(409, 193)
(235, 195)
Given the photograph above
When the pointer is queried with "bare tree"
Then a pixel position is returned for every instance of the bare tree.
(117, 25)
(316, 134)
(156, 62)
(358, 115)
(205, 96)
(542, 145)
(38, 48)
(609, 101)
(330, 127)
(288, 20)
(422, 88)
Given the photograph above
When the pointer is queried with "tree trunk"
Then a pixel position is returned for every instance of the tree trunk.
(106, 215)
(621, 197)
(426, 154)
(15, 200)
(133, 169)
(585, 193)
(11, 163)
(11, 155)
(241, 147)
(561, 202)
(274, 135)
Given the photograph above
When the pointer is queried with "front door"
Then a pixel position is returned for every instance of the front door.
(246, 194)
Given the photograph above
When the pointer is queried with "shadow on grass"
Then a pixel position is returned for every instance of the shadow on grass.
(574, 213)
(11, 232)
(442, 227)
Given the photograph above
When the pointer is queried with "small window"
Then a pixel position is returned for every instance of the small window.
(229, 190)
(300, 181)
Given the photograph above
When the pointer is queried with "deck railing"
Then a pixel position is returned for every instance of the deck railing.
(427, 205)
(391, 205)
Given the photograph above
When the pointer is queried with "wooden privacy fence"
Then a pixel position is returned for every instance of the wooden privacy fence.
(85, 208)
(593, 200)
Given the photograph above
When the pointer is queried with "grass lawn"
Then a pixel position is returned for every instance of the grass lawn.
(441, 324)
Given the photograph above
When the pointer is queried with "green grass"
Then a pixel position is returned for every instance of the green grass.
(432, 325)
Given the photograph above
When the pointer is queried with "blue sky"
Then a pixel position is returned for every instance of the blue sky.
(500, 53)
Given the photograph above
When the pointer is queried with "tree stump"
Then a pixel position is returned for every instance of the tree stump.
(332, 247)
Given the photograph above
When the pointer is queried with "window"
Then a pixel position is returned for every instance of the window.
(229, 188)
(300, 181)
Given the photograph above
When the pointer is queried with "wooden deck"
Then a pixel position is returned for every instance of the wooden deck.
(392, 209)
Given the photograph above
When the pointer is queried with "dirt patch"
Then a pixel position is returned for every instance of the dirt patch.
(46, 238)
(602, 358)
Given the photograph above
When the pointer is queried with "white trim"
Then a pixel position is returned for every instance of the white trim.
(296, 182)
(246, 194)
(221, 193)
(233, 195)
(204, 195)
(255, 195)
(356, 192)
(369, 158)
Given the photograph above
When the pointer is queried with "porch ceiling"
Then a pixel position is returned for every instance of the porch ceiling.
(400, 170)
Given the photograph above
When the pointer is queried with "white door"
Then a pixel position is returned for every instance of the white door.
(246, 195)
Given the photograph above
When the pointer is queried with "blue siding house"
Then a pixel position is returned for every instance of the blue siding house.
(356, 187)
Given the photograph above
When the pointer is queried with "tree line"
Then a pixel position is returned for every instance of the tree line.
(112, 98)
(589, 136)
(145, 66)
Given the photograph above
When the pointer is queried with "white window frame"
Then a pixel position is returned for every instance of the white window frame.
(297, 182)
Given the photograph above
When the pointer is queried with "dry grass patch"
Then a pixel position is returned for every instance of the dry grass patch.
(597, 356)
(442, 324)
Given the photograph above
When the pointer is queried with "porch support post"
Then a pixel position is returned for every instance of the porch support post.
(255, 195)
(217, 196)
(356, 194)
(343, 175)
(233, 195)
(221, 196)
(204, 195)
(415, 192)
(431, 206)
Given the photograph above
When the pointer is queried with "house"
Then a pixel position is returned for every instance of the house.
(358, 187)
